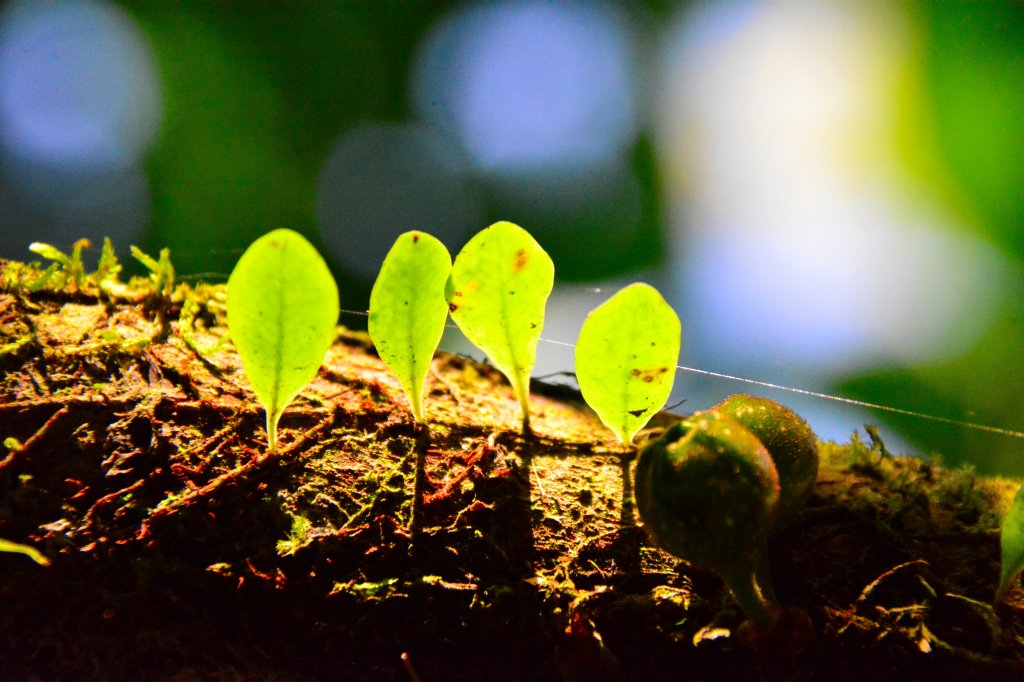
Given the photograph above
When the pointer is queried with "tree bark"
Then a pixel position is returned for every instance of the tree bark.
(136, 461)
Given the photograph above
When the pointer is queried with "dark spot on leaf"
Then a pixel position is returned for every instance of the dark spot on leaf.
(452, 307)
(637, 413)
(521, 259)
(405, 302)
(415, 238)
(533, 325)
(512, 293)
(647, 375)
(458, 293)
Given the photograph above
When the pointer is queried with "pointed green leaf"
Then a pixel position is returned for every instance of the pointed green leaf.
(408, 310)
(626, 358)
(49, 252)
(31, 552)
(496, 293)
(282, 308)
(1012, 540)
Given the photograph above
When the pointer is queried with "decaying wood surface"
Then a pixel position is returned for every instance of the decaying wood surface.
(135, 459)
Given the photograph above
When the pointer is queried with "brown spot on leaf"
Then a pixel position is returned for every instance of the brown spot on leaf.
(648, 375)
(521, 259)
(415, 237)
(452, 307)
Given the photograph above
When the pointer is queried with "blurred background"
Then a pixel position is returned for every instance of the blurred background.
(830, 194)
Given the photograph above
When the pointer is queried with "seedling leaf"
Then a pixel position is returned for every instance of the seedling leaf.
(499, 284)
(408, 310)
(1012, 540)
(282, 308)
(49, 252)
(161, 272)
(626, 358)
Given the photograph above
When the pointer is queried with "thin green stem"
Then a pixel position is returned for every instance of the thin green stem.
(761, 613)
(272, 420)
(523, 393)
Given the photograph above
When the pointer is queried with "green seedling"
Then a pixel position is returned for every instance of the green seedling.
(626, 358)
(794, 450)
(282, 307)
(499, 284)
(161, 272)
(408, 310)
(707, 492)
(66, 269)
(1012, 541)
(30, 552)
(788, 439)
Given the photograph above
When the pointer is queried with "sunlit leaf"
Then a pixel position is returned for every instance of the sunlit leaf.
(30, 552)
(282, 309)
(49, 252)
(499, 284)
(408, 310)
(1012, 540)
(626, 358)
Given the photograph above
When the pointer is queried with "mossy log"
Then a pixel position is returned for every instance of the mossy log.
(135, 459)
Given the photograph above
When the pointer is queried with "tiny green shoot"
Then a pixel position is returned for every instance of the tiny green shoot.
(161, 272)
(1012, 541)
(499, 285)
(71, 268)
(282, 307)
(408, 310)
(626, 358)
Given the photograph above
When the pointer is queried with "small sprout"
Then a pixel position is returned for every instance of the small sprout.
(1012, 541)
(282, 309)
(788, 439)
(707, 492)
(161, 272)
(50, 252)
(108, 267)
(626, 358)
(30, 552)
(499, 284)
(408, 310)
(64, 270)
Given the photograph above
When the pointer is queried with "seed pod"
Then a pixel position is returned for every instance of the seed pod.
(707, 491)
(790, 442)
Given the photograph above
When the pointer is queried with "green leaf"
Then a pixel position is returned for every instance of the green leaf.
(1012, 540)
(626, 358)
(282, 308)
(161, 272)
(496, 294)
(408, 310)
(108, 268)
(30, 552)
(49, 252)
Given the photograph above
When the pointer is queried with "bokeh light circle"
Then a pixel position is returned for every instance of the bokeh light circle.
(78, 85)
(523, 85)
(383, 179)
